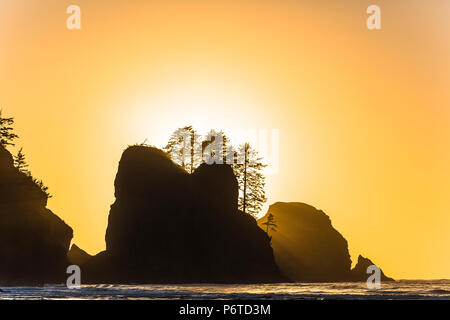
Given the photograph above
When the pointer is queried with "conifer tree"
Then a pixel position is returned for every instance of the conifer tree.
(20, 162)
(248, 171)
(184, 148)
(6, 135)
(270, 223)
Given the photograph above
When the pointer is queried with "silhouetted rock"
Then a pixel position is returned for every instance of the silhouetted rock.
(77, 256)
(305, 244)
(218, 187)
(167, 226)
(307, 248)
(33, 241)
(359, 272)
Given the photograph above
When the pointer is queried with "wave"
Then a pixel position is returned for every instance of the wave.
(281, 291)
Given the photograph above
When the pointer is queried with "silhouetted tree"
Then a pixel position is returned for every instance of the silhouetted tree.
(6, 138)
(20, 162)
(248, 171)
(41, 185)
(184, 148)
(217, 142)
(6, 135)
(270, 223)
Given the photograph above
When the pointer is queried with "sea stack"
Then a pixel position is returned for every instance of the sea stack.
(308, 248)
(168, 226)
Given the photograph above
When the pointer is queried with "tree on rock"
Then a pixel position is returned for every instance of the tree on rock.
(216, 148)
(248, 171)
(270, 223)
(42, 186)
(184, 148)
(188, 150)
(20, 162)
(6, 135)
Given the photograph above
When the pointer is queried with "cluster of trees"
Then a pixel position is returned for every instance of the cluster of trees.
(7, 137)
(189, 149)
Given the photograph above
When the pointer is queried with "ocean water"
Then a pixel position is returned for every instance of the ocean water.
(406, 289)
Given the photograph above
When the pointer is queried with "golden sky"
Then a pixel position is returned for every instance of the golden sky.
(363, 115)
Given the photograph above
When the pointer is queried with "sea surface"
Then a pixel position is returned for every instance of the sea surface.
(405, 289)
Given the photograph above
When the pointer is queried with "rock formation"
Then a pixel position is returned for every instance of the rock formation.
(167, 226)
(359, 272)
(308, 248)
(33, 240)
(77, 256)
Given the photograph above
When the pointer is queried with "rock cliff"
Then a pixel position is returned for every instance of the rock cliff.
(167, 226)
(359, 272)
(308, 248)
(33, 240)
(77, 256)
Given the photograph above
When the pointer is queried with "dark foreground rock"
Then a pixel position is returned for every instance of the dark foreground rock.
(33, 240)
(77, 256)
(308, 248)
(167, 226)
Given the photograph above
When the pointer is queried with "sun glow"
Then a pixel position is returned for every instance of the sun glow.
(204, 104)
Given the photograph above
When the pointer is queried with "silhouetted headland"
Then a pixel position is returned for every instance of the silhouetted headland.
(33, 240)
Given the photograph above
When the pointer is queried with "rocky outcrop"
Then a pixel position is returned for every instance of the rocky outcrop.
(359, 272)
(167, 226)
(305, 244)
(308, 248)
(33, 240)
(77, 256)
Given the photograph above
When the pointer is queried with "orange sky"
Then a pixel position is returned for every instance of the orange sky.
(363, 115)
